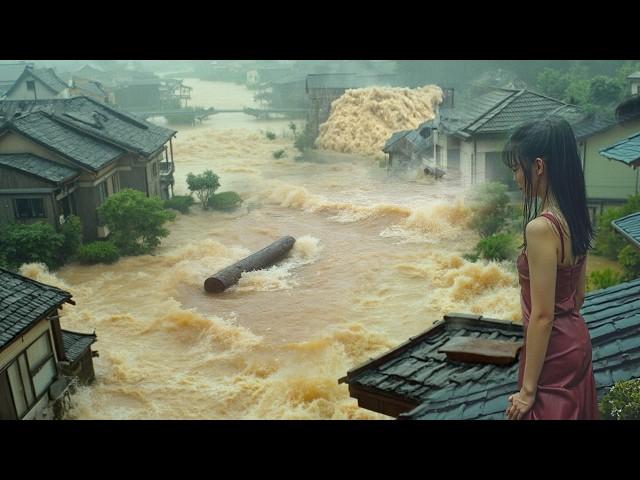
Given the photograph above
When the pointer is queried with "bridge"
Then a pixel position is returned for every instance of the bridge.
(193, 114)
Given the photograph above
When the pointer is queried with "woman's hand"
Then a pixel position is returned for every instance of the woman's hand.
(519, 404)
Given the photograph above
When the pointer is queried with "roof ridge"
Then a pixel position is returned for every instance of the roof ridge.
(499, 107)
(90, 133)
(27, 279)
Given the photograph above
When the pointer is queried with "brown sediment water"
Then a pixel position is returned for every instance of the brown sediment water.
(377, 260)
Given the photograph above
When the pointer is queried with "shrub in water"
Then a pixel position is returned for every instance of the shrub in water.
(225, 201)
(98, 252)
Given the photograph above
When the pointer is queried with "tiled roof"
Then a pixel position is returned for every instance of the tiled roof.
(415, 373)
(629, 226)
(49, 78)
(420, 373)
(92, 118)
(83, 149)
(626, 151)
(634, 75)
(40, 167)
(409, 140)
(592, 125)
(501, 110)
(24, 301)
(75, 344)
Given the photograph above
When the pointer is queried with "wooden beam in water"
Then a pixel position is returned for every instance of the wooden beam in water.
(264, 258)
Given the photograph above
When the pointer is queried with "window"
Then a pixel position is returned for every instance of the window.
(154, 168)
(31, 85)
(31, 374)
(103, 193)
(29, 208)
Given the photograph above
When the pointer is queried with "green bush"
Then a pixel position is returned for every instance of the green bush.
(204, 186)
(608, 242)
(270, 135)
(225, 201)
(500, 246)
(622, 402)
(489, 204)
(135, 221)
(180, 203)
(629, 259)
(279, 154)
(599, 279)
(470, 257)
(72, 232)
(98, 252)
(27, 243)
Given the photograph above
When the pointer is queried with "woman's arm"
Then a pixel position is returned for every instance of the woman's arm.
(580, 289)
(543, 259)
(543, 262)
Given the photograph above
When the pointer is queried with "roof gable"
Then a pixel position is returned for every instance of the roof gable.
(23, 302)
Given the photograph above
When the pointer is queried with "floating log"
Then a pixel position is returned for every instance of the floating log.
(264, 258)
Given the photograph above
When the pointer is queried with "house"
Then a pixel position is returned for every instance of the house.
(465, 366)
(608, 182)
(470, 138)
(408, 147)
(323, 88)
(9, 73)
(39, 362)
(289, 92)
(67, 156)
(37, 84)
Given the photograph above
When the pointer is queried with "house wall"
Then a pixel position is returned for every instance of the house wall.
(32, 188)
(19, 345)
(42, 91)
(604, 178)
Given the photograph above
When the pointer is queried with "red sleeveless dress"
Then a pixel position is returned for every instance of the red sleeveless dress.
(566, 387)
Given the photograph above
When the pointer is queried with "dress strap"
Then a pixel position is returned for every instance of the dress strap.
(549, 216)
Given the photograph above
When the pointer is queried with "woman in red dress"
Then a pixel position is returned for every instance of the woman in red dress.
(556, 374)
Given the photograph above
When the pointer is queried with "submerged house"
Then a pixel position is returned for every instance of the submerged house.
(465, 366)
(323, 88)
(40, 363)
(408, 147)
(62, 157)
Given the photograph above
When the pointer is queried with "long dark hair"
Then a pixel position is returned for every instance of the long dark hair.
(552, 139)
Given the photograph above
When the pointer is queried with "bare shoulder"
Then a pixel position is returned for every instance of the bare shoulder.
(539, 229)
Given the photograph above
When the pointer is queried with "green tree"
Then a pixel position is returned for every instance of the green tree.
(489, 203)
(72, 232)
(604, 90)
(608, 242)
(293, 128)
(26, 243)
(500, 246)
(629, 259)
(552, 82)
(204, 186)
(135, 221)
(622, 402)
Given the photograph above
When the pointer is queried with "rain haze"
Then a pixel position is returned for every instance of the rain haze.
(344, 156)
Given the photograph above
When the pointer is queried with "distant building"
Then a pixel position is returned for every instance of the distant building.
(37, 84)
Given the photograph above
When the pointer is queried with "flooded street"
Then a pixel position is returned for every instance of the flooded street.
(377, 260)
